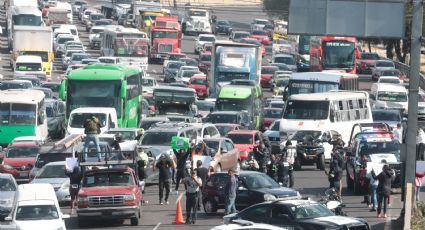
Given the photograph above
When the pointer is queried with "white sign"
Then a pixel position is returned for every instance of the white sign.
(128, 145)
(70, 163)
(377, 167)
(206, 160)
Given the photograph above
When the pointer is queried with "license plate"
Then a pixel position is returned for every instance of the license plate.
(23, 174)
(310, 157)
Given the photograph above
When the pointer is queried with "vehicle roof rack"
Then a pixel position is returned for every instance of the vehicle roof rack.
(110, 158)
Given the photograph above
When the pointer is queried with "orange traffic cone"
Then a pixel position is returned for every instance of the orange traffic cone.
(179, 214)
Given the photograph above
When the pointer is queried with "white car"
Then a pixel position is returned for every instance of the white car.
(179, 75)
(28, 64)
(202, 39)
(59, 45)
(66, 60)
(389, 79)
(381, 65)
(94, 39)
(148, 84)
(73, 29)
(258, 24)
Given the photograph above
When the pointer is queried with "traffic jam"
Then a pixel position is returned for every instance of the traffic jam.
(108, 112)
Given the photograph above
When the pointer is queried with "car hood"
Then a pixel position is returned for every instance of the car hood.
(278, 192)
(41, 224)
(379, 157)
(244, 147)
(16, 162)
(55, 182)
(107, 190)
(266, 76)
(332, 221)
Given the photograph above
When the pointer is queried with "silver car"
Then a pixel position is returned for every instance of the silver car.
(54, 173)
(8, 187)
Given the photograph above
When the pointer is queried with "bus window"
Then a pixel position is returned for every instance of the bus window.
(307, 110)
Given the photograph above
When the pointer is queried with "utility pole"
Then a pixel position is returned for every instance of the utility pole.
(412, 122)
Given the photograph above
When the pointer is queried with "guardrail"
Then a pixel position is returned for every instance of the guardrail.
(405, 69)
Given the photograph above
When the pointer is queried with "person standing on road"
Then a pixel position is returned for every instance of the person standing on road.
(75, 178)
(384, 188)
(230, 193)
(193, 183)
(202, 173)
(91, 129)
(289, 157)
(181, 157)
(398, 134)
(334, 174)
(164, 166)
(373, 188)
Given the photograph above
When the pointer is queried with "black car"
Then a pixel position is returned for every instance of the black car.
(297, 214)
(56, 123)
(222, 27)
(254, 187)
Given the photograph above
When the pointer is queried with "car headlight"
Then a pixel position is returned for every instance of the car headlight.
(268, 197)
(8, 167)
(83, 199)
(65, 186)
(129, 197)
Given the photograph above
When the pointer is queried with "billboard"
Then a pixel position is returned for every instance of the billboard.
(357, 18)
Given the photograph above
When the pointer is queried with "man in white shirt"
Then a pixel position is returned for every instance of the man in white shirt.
(398, 134)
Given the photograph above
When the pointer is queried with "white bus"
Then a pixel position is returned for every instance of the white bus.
(22, 113)
(335, 110)
(128, 44)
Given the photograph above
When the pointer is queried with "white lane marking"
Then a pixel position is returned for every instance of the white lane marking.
(157, 226)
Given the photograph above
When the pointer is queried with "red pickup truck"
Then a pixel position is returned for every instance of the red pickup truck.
(110, 193)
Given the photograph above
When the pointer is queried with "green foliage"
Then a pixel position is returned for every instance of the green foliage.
(418, 218)
(276, 8)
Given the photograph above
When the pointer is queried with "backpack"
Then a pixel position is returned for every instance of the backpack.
(91, 126)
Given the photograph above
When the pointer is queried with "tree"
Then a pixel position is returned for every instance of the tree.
(276, 8)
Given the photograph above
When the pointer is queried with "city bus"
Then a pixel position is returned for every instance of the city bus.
(336, 110)
(117, 86)
(129, 45)
(22, 113)
(241, 98)
(333, 53)
(320, 82)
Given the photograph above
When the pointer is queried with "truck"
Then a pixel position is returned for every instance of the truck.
(147, 18)
(196, 21)
(60, 14)
(114, 8)
(134, 11)
(22, 16)
(33, 40)
(175, 101)
(232, 61)
(165, 37)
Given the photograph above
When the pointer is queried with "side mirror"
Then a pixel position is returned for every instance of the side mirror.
(8, 218)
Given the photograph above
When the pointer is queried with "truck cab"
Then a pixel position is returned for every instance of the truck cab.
(165, 35)
(197, 21)
(107, 118)
(28, 65)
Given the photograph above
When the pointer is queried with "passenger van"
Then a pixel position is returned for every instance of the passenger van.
(107, 118)
(335, 110)
(36, 207)
(389, 96)
(28, 65)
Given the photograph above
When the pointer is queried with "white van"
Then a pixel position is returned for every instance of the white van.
(36, 207)
(389, 96)
(107, 117)
(28, 64)
(73, 29)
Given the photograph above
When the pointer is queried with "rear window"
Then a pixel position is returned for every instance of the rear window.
(108, 179)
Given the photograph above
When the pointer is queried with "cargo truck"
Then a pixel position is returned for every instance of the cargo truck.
(165, 36)
(60, 14)
(33, 40)
(233, 61)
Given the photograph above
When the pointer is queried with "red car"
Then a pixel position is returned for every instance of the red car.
(19, 159)
(204, 62)
(270, 115)
(267, 75)
(200, 85)
(245, 141)
(262, 36)
(366, 62)
(255, 42)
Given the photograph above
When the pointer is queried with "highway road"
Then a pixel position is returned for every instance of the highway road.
(310, 182)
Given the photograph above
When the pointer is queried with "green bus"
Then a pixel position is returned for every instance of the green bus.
(99, 85)
(241, 98)
(22, 113)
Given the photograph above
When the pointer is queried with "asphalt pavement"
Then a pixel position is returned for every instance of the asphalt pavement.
(310, 182)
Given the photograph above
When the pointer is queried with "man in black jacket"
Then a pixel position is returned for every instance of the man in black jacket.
(182, 156)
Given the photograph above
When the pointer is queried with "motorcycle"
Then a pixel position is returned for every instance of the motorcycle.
(333, 202)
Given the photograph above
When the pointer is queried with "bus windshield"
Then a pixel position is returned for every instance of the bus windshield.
(392, 96)
(306, 110)
(230, 76)
(338, 54)
(164, 34)
(23, 114)
(94, 94)
(130, 48)
(27, 20)
(233, 104)
(298, 87)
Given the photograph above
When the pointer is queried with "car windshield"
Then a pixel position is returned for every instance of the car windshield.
(189, 73)
(266, 70)
(207, 39)
(126, 135)
(79, 57)
(275, 126)
(223, 23)
(95, 17)
(302, 133)
(309, 211)
(285, 59)
(36, 212)
(272, 113)
(369, 56)
(175, 65)
(52, 171)
(259, 32)
(245, 139)
(205, 105)
(22, 152)
(199, 81)
(175, 57)
(146, 124)
(223, 118)
(390, 73)
(108, 179)
(379, 147)
(223, 129)
(77, 120)
(384, 64)
(6, 185)
(103, 23)
(306, 110)
(281, 82)
(96, 31)
(53, 87)
(45, 158)
(241, 35)
(147, 82)
(258, 181)
(189, 62)
(212, 144)
(386, 116)
(277, 105)
(392, 96)
(389, 80)
(157, 138)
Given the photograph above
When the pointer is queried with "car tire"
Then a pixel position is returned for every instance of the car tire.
(297, 164)
(321, 162)
(134, 221)
(210, 207)
(218, 168)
